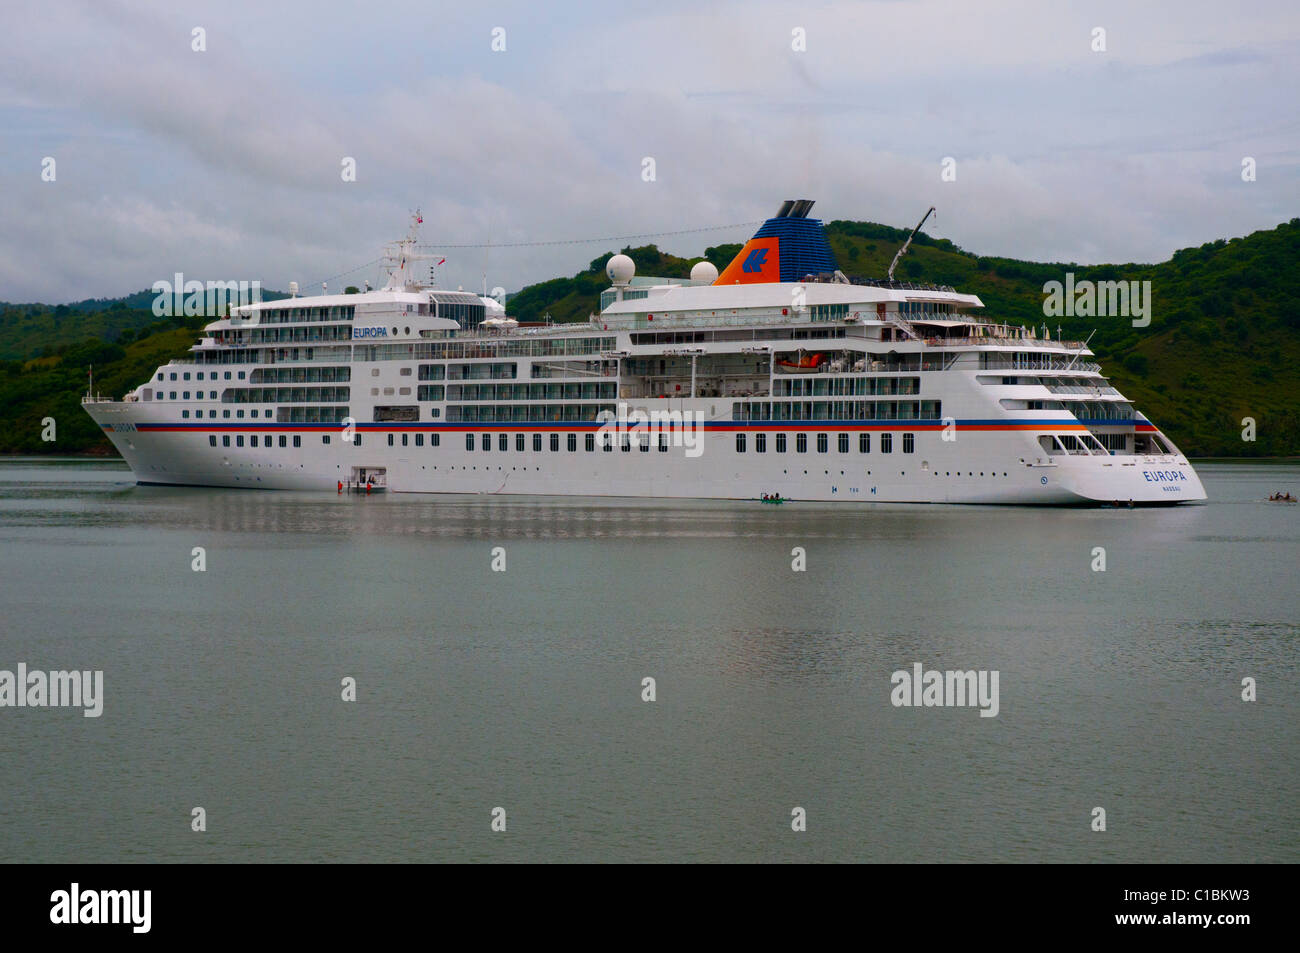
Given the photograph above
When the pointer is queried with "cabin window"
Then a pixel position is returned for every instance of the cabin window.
(886, 443)
(801, 443)
(864, 442)
(225, 441)
(663, 443)
(780, 443)
(740, 443)
(909, 443)
(537, 443)
(469, 441)
(212, 440)
(485, 441)
(760, 443)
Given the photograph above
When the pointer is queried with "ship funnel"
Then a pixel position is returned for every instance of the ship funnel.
(786, 248)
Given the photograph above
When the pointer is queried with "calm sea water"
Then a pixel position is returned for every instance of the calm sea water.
(522, 689)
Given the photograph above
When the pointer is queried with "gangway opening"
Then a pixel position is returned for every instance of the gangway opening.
(366, 480)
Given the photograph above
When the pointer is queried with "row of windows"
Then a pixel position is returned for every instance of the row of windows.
(817, 386)
(310, 415)
(923, 307)
(590, 441)
(838, 410)
(829, 312)
(329, 332)
(299, 375)
(284, 395)
(185, 395)
(467, 315)
(575, 391)
(527, 412)
(287, 315)
(483, 372)
(697, 337)
(434, 439)
(493, 349)
(239, 414)
(265, 438)
(212, 375)
(842, 443)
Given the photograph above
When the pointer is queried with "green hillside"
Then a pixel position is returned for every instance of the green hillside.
(33, 330)
(1223, 343)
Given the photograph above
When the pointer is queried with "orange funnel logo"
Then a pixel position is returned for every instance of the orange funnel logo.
(758, 261)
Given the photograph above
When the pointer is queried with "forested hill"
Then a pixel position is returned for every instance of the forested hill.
(1223, 343)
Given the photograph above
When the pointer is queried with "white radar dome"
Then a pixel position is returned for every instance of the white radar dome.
(620, 269)
(704, 271)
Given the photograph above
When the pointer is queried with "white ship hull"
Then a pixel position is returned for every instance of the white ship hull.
(988, 466)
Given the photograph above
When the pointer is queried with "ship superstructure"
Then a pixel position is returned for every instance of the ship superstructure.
(778, 375)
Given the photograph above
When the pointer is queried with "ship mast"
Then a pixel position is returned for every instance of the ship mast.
(400, 256)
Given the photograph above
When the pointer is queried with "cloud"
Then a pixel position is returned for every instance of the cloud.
(225, 164)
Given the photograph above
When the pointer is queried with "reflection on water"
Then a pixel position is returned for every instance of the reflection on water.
(522, 688)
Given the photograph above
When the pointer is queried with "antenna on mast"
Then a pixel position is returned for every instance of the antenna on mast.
(902, 251)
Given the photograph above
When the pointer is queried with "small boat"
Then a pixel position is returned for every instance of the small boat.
(803, 364)
(776, 500)
(1283, 498)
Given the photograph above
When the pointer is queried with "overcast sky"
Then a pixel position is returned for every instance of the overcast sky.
(225, 164)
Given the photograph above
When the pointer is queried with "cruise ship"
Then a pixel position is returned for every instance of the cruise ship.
(779, 377)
